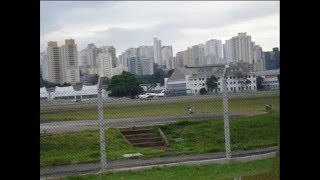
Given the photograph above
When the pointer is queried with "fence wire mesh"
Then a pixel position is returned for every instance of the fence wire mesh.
(148, 131)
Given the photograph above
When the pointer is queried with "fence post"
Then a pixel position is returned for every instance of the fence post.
(101, 126)
(226, 114)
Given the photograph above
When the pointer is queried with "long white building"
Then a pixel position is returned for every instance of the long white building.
(69, 93)
(193, 78)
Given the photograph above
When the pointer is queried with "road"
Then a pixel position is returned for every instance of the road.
(63, 105)
(73, 126)
(74, 169)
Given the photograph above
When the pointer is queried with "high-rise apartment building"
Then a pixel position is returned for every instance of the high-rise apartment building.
(69, 62)
(197, 55)
(213, 51)
(272, 59)
(54, 64)
(44, 66)
(258, 58)
(229, 51)
(157, 52)
(105, 65)
(88, 56)
(135, 66)
(146, 66)
(112, 51)
(146, 52)
(167, 57)
(145, 56)
(243, 48)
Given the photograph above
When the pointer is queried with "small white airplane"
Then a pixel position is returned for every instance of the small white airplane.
(151, 95)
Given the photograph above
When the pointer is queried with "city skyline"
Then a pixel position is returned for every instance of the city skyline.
(119, 24)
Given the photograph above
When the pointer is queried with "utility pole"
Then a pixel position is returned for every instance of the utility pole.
(101, 126)
(226, 113)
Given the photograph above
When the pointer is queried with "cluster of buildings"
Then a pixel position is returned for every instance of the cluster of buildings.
(190, 79)
(65, 64)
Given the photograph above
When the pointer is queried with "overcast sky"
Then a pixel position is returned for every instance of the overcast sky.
(125, 24)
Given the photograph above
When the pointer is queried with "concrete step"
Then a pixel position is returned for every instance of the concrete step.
(148, 139)
(149, 144)
(134, 128)
(142, 131)
(141, 136)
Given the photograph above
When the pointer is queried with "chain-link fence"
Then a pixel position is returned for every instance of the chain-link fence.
(84, 130)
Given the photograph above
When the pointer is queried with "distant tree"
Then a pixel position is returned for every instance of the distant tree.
(212, 83)
(106, 83)
(125, 84)
(259, 83)
(157, 77)
(203, 91)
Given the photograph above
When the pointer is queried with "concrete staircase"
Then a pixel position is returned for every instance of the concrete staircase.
(143, 136)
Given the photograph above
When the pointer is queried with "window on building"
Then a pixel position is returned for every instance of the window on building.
(196, 90)
(249, 76)
(239, 89)
(218, 83)
(250, 87)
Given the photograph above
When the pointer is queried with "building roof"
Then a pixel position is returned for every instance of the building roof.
(267, 73)
(64, 89)
(43, 90)
(93, 87)
(205, 71)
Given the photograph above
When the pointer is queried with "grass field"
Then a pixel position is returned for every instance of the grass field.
(84, 147)
(204, 107)
(208, 136)
(212, 171)
(198, 137)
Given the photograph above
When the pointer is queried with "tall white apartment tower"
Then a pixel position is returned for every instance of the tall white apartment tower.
(157, 52)
(229, 51)
(54, 64)
(44, 65)
(112, 51)
(243, 48)
(167, 57)
(105, 65)
(213, 51)
(69, 62)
